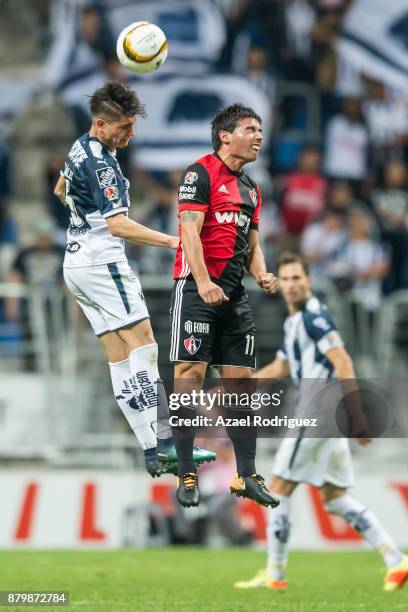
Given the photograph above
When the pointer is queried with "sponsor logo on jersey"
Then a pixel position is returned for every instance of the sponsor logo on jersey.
(254, 196)
(192, 345)
(239, 218)
(106, 176)
(73, 247)
(190, 178)
(111, 192)
(223, 189)
(186, 192)
(198, 327)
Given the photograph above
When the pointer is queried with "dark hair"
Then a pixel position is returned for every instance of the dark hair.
(227, 119)
(290, 258)
(114, 100)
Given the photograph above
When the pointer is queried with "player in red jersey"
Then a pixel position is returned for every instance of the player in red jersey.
(211, 320)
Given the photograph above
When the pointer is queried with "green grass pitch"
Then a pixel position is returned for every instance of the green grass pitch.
(174, 579)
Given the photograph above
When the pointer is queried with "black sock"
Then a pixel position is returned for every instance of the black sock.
(243, 439)
(245, 452)
(184, 449)
(184, 440)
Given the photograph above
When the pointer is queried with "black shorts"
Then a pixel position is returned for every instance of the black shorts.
(217, 335)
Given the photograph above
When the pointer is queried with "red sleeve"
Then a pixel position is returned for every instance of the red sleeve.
(255, 216)
(194, 189)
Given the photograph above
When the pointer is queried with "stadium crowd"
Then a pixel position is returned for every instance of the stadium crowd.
(337, 192)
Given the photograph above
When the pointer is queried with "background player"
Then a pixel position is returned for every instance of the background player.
(211, 319)
(313, 349)
(96, 270)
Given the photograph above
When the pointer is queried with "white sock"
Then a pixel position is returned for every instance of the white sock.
(278, 531)
(145, 374)
(366, 523)
(137, 419)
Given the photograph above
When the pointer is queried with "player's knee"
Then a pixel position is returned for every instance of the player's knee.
(192, 371)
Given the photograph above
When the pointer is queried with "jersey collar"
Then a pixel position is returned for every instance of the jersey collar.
(223, 162)
(104, 146)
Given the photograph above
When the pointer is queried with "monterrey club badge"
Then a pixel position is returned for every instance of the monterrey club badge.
(190, 178)
(192, 345)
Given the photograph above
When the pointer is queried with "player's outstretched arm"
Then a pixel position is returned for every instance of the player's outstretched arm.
(123, 227)
(278, 368)
(344, 369)
(255, 264)
(191, 224)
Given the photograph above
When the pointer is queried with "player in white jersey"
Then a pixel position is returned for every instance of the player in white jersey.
(97, 272)
(313, 349)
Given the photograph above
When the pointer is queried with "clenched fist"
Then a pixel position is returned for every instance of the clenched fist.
(268, 282)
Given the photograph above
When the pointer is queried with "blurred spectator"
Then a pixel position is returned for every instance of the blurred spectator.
(324, 35)
(257, 71)
(300, 18)
(162, 216)
(95, 30)
(390, 202)
(341, 198)
(346, 146)
(367, 262)
(261, 22)
(55, 209)
(386, 114)
(39, 265)
(304, 193)
(8, 242)
(324, 244)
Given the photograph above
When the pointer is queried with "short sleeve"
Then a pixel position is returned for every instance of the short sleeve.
(108, 191)
(281, 352)
(255, 216)
(194, 189)
(322, 330)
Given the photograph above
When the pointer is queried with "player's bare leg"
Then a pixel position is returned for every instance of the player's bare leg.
(278, 531)
(338, 501)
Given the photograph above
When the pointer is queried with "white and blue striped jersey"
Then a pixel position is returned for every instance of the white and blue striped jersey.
(309, 334)
(95, 189)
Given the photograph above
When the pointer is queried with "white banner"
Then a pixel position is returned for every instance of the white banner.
(195, 30)
(375, 40)
(106, 509)
(177, 129)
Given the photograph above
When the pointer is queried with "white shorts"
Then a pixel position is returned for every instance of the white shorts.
(315, 461)
(110, 295)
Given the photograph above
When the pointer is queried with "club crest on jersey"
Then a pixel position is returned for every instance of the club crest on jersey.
(111, 192)
(192, 345)
(254, 196)
(106, 176)
(190, 178)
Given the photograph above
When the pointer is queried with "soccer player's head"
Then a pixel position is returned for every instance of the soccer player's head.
(294, 279)
(237, 131)
(114, 109)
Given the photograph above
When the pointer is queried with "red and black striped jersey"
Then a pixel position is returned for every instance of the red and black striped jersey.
(231, 202)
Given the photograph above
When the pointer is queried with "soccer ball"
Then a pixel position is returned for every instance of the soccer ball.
(142, 47)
